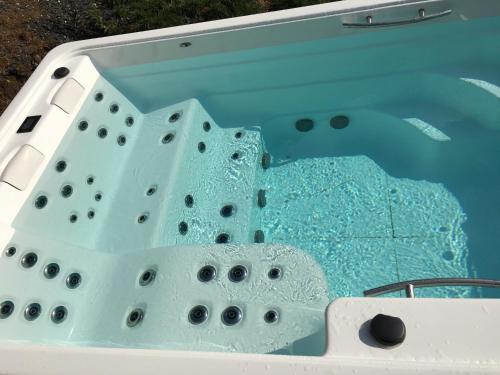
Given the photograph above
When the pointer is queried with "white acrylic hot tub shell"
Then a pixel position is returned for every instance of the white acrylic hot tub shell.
(444, 336)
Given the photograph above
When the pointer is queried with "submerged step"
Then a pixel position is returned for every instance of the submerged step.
(209, 197)
(256, 299)
(164, 178)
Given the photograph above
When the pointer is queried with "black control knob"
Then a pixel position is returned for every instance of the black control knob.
(61, 72)
(388, 330)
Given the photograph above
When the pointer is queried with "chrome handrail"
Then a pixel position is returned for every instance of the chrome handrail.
(420, 18)
(410, 285)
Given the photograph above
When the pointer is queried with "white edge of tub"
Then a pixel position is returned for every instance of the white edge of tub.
(437, 342)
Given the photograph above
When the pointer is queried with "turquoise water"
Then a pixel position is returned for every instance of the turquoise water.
(167, 161)
(407, 190)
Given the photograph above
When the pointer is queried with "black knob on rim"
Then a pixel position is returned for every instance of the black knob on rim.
(61, 72)
(387, 330)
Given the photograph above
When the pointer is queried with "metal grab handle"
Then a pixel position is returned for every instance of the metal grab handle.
(420, 18)
(409, 285)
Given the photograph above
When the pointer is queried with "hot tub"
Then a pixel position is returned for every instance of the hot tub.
(172, 194)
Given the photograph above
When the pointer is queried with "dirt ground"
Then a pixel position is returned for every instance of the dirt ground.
(28, 30)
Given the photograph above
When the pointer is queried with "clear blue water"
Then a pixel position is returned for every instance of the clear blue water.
(406, 188)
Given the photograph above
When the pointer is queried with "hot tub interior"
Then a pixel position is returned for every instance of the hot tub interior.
(219, 202)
